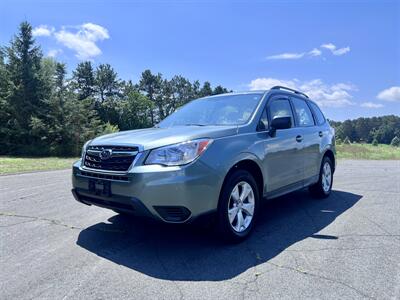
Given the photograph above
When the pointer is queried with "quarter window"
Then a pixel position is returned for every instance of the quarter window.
(303, 113)
(317, 113)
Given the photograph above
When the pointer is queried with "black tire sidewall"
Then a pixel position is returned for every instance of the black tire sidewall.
(225, 227)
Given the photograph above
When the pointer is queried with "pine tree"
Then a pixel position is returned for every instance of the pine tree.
(83, 80)
(106, 82)
(5, 114)
(206, 90)
(151, 85)
(27, 90)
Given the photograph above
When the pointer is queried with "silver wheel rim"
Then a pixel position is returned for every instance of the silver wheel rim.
(326, 177)
(241, 206)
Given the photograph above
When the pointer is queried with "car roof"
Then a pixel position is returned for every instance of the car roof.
(275, 89)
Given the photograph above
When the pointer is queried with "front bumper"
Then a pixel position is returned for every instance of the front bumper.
(170, 194)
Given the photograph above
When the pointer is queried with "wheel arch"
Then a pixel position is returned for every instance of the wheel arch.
(329, 153)
(253, 168)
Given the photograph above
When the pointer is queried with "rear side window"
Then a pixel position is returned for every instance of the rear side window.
(317, 113)
(303, 113)
(281, 108)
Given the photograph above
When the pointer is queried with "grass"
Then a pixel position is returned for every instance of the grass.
(367, 151)
(11, 165)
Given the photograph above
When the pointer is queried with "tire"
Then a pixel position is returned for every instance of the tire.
(229, 224)
(321, 189)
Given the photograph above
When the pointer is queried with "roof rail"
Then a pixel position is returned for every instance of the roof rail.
(278, 87)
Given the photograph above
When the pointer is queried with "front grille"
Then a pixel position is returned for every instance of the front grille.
(173, 213)
(120, 159)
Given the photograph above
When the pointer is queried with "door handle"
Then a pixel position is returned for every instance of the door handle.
(320, 134)
(299, 138)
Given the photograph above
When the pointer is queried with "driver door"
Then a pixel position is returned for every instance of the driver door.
(282, 151)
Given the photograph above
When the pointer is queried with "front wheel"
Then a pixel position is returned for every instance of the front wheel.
(238, 206)
(323, 187)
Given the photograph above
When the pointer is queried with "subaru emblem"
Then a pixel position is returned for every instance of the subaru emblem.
(105, 154)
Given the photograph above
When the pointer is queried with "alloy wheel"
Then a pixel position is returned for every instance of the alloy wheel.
(326, 177)
(241, 206)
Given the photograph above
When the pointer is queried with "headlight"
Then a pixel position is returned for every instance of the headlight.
(178, 154)
(84, 148)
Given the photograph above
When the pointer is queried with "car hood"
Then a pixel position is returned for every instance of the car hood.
(157, 137)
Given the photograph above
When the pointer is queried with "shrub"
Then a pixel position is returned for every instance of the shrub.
(375, 142)
(395, 142)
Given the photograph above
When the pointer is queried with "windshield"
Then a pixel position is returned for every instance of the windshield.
(221, 110)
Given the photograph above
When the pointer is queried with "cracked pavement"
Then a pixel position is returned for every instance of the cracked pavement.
(343, 247)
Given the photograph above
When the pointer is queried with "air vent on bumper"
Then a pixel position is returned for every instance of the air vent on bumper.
(173, 213)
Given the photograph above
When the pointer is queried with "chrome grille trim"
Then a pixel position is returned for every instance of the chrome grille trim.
(121, 159)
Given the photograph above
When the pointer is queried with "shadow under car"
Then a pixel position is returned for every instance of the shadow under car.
(176, 252)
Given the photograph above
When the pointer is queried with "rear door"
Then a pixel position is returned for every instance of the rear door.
(283, 161)
(310, 135)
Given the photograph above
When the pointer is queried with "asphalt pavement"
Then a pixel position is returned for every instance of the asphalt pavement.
(343, 247)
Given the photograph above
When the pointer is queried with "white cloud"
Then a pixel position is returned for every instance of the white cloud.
(315, 52)
(390, 94)
(83, 40)
(335, 95)
(286, 56)
(371, 105)
(331, 47)
(312, 53)
(42, 30)
(267, 83)
(54, 52)
(341, 51)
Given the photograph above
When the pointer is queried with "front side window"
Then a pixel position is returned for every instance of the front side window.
(220, 110)
(281, 108)
(303, 113)
(317, 113)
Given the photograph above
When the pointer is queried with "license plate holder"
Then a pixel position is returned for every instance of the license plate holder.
(100, 187)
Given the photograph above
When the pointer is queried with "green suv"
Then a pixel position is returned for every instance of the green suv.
(215, 156)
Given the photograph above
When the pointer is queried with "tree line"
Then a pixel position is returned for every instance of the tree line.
(382, 130)
(45, 112)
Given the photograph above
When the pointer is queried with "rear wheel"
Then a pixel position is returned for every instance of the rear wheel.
(238, 206)
(323, 187)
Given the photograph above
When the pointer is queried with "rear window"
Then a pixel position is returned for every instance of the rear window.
(317, 113)
(303, 113)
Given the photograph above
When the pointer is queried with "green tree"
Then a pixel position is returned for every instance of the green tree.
(151, 85)
(135, 111)
(83, 80)
(206, 90)
(5, 114)
(182, 92)
(106, 82)
(26, 89)
(348, 130)
(219, 90)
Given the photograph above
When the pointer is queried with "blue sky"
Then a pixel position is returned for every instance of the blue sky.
(344, 54)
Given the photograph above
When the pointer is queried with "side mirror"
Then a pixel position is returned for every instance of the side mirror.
(280, 123)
